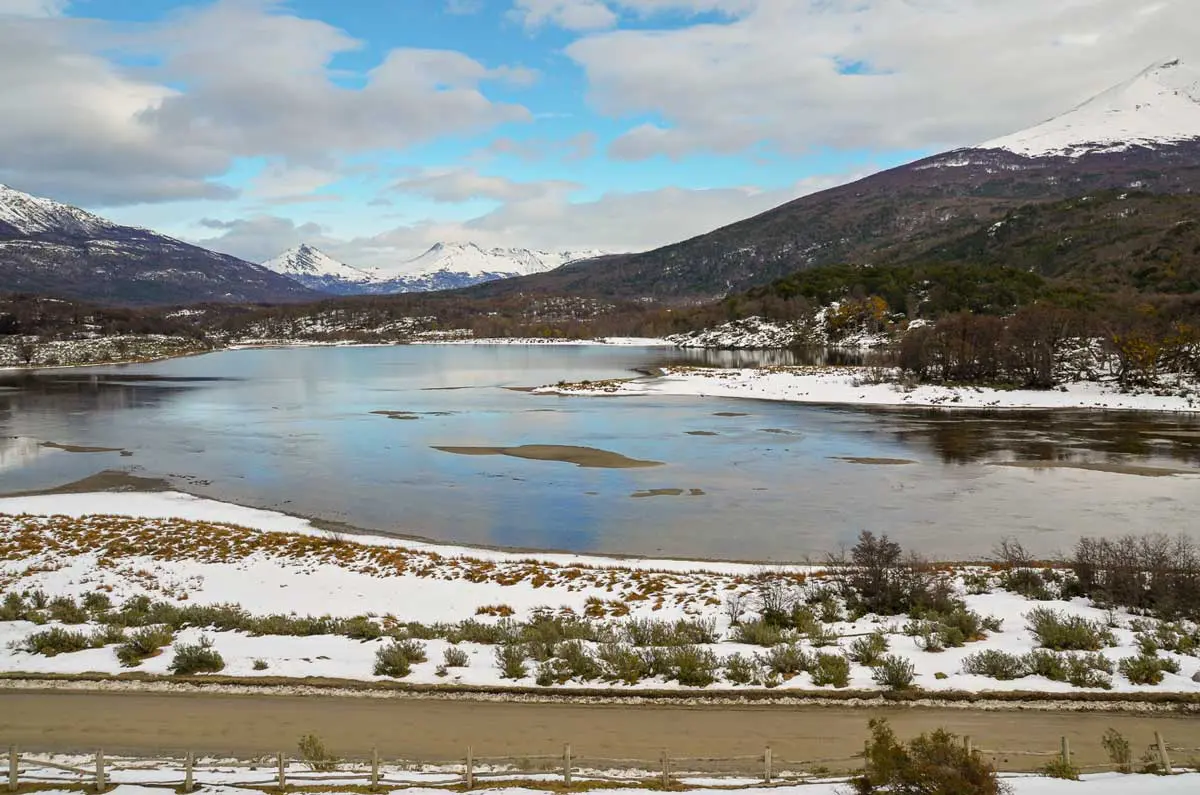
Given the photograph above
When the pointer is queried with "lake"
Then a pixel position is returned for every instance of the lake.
(296, 430)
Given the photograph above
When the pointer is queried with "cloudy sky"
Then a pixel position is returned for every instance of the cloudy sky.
(375, 128)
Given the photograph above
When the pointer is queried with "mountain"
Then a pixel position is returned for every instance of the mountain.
(318, 271)
(445, 266)
(55, 249)
(1142, 135)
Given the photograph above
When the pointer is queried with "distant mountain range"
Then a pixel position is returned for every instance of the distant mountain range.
(445, 266)
(54, 249)
(1140, 136)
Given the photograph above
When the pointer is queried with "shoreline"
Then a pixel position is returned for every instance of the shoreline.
(849, 386)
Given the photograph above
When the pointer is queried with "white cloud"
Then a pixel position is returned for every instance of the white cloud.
(464, 184)
(567, 14)
(238, 79)
(33, 8)
(872, 74)
(261, 237)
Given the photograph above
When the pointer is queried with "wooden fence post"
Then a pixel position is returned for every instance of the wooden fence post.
(1163, 756)
(469, 774)
(767, 765)
(189, 764)
(1066, 751)
(567, 764)
(282, 771)
(374, 768)
(968, 746)
(14, 766)
(666, 770)
(100, 783)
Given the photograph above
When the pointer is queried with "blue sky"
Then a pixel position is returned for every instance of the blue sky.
(374, 129)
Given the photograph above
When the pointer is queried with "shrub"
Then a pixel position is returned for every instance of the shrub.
(455, 657)
(199, 658)
(65, 610)
(694, 666)
(994, 663)
(932, 764)
(54, 641)
(757, 633)
(551, 672)
(869, 649)
(13, 608)
(510, 658)
(97, 602)
(1116, 745)
(1146, 670)
(831, 669)
(360, 628)
(622, 663)
(106, 635)
(397, 658)
(1061, 768)
(930, 638)
(787, 660)
(579, 661)
(1043, 662)
(314, 754)
(1060, 632)
(894, 672)
(145, 642)
(1089, 670)
(261, 665)
(684, 632)
(822, 636)
(740, 670)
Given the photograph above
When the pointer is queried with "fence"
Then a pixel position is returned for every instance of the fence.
(280, 772)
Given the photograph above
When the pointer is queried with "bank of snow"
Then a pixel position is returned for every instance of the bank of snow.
(859, 386)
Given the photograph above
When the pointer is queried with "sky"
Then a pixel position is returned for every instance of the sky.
(376, 128)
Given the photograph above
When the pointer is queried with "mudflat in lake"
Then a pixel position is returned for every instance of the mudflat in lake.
(294, 430)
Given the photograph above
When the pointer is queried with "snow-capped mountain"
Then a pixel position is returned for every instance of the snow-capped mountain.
(1160, 106)
(445, 266)
(51, 248)
(1141, 135)
(316, 270)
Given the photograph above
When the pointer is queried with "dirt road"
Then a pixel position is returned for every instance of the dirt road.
(436, 730)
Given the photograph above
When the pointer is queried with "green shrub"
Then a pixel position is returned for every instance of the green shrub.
(551, 672)
(314, 754)
(261, 665)
(12, 608)
(831, 669)
(1061, 632)
(65, 610)
(510, 658)
(106, 635)
(622, 664)
(932, 764)
(397, 658)
(97, 602)
(995, 664)
(1116, 745)
(579, 662)
(645, 632)
(455, 657)
(740, 670)
(1146, 670)
(787, 660)
(1043, 662)
(1089, 670)
(1060, 768)
(56, 640)
(822, 636)
(869, 649)
(757, 633)
(199, 658)
(694, 666)
(894, 672)
(142, 644)
(361, 628)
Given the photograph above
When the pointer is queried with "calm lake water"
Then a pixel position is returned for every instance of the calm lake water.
(293, 430)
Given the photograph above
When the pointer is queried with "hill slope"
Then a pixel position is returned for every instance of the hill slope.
(51, 248)
(1142, 135)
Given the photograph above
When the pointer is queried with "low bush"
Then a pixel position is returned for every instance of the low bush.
(65, 610)
(198, 658)
(740, 670)
(578, 661)
(787, 660)
(1089, 670)
(143, 644)
(361, 628)
(830, 669)
(894, 672)
(397, 658)
(510, 658)
(1061, 632)
(261, 665)
(622, 663)
(694, 666)
(757, 633)
(97, 602)
(822, 636)
(1146, 670)
(995, 664)
(869, 649)
(1117, 746)
(1061, 768)
(645, 632)
(314, 754)
(54, 641)
(932, 764)
(455, 657)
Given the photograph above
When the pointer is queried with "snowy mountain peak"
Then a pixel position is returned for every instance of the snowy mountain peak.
(32, 215)
(305, 262)
(472, 260)
(1159, 106)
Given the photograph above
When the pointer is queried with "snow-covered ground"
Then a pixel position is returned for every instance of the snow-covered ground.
(641, 342)
(126, 544)
(849, 385)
